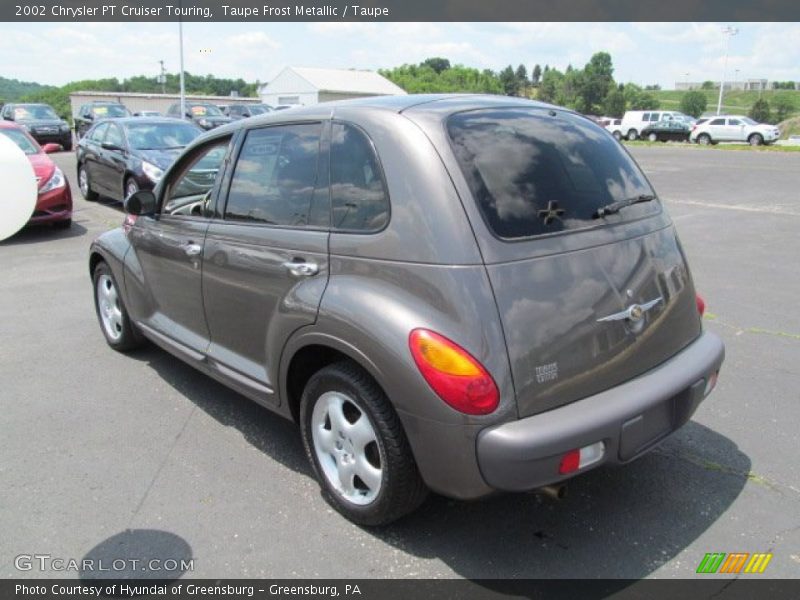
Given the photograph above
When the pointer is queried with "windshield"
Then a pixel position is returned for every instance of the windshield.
(160, 136)
(34, 111)
(536, 171)
(748, 120)
(22, 141)
(205, 110)
(110, 110)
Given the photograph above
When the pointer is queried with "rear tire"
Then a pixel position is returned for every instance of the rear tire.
(704, 139)
(120, 333)
(85, 185)
(617, 136)
(633, 135)
(67, 147)
(373, 480)
(652, 137)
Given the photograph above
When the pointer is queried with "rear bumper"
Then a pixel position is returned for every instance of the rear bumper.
(629, 419)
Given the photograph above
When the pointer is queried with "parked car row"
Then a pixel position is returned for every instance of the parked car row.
(662, 126)
(41, 122)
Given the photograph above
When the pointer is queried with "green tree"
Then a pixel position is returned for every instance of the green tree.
(437, 64)
(782, 107)
(536, 75)
(707, 85)
(509, 81)
(522, 76)
(637, 99)
(596, 81)
(694, 103)
(760, 111)
(551, 86)
(614, 104)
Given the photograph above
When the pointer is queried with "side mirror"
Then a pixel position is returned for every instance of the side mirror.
(89, 116)
(141, 203)
(110, 146)
(50, 148)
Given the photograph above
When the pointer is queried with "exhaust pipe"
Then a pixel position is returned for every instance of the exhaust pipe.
(557, 491)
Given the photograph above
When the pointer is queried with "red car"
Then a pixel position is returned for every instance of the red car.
(54, 204)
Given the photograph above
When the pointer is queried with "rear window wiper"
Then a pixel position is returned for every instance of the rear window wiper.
(615, 207)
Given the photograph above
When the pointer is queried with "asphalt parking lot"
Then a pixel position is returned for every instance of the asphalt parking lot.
(104, 454)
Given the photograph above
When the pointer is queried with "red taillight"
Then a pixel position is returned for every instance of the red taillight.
(701, 304)
(455, 376)
(570, 462)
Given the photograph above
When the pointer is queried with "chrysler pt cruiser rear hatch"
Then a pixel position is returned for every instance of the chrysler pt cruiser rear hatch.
(589, 277)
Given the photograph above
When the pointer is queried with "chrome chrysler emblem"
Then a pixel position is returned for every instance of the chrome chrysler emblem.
(551, 213)
(634, 313)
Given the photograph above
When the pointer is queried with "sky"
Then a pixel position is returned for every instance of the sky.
(643, 53)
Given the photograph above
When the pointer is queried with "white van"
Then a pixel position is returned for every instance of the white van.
(634, 121)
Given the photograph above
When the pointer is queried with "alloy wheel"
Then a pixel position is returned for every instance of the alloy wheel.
(108, 304)
(346, 447)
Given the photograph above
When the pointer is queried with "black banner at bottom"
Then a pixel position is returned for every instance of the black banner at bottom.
(409, 589)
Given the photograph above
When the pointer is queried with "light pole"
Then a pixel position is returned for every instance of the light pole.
(736, 79)
(728, 32)
(686, 80)
(183, 87)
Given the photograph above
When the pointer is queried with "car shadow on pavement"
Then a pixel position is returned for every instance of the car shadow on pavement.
(623, 522)
(269, 433)
(35, 234)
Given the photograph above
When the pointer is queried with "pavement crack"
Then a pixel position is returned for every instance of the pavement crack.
(754, 330)
(716, 467)
(161, 466)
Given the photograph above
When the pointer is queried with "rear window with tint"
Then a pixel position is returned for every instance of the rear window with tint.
(532, 173)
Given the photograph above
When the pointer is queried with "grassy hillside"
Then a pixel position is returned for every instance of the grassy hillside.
(13, 90)
(735, 102)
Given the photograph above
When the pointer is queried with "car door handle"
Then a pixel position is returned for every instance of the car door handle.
(301, 269)
(192, 249)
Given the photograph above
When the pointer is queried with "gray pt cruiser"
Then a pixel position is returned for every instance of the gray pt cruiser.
(464, 294)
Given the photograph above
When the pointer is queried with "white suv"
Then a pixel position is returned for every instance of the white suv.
(734, 128)
(632, 123)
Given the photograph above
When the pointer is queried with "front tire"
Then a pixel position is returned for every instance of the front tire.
(755, 139)
(85, 185)
(117, 328)
(357, 447)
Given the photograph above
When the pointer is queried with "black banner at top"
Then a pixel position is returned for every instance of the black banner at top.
(399, 10)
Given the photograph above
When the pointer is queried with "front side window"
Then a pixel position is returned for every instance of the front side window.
(189, 190)
(734, 122)
(646, 117)
(114, 136)
(275, 176)
(533, 172)
(98, 133)
(359, 201)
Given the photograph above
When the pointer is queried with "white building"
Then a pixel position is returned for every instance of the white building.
(136, 102)
(304, 86)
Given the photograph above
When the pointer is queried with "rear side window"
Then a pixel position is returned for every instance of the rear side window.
(275, 176)
(532, 173)
(359, 201)
(717, 122)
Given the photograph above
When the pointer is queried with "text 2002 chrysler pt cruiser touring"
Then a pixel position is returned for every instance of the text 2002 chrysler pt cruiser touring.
(457, 293)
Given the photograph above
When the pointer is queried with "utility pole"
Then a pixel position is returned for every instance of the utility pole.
(183, 84)
(162, 78)
(728, 32)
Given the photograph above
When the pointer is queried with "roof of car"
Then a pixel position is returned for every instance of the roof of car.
(140, 120)
(9, 125)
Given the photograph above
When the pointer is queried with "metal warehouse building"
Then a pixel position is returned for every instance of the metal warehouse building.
(159, 102)
(299, 85)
